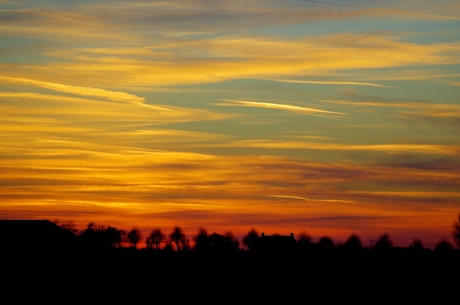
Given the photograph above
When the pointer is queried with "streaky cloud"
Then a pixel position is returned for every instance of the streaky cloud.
(315, 82)
(384, 9)
(305, 110)
(386, 148)
(309, 199)
(116, 96)
(416, 105)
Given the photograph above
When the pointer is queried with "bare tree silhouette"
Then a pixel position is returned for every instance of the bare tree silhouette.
(134, 236)
(155, 238)
(177, 236)
(251, 239)
(231, 242)
(304, 241)
(69, 225)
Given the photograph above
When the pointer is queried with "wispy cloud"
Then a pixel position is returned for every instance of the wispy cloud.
(309, 199)
(82, 91)
(402, 104)
(386, 10)
(386, 148)
(415, 109)
(209, 60)
(304, 110)
(316, 82)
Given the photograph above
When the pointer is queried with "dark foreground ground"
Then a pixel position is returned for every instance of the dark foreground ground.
(169, 277)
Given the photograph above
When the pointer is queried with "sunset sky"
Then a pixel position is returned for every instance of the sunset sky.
(332, 117)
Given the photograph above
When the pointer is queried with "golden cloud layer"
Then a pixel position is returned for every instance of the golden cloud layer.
(236, 57)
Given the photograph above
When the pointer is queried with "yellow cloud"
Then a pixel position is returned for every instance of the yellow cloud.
(84, 91)
(224, 58)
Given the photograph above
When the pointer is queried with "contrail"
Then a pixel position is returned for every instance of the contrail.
(305, 110)
(84, 91)
(315, 82)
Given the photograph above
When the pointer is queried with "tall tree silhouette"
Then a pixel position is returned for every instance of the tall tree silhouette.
(201, 240)
(251, 239)
(155, 238)
(134, 236)
(176, 236)
(185, 244)
(456, 231)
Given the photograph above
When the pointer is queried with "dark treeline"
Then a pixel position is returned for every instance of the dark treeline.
(205, 242)
(109, 261)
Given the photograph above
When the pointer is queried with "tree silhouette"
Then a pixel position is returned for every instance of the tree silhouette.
(113, 237)
(417, 245)
(176, 236)
(100, 235)
(155, 238)
(304, 241)
(68, 225)
(168, 246)
(456, 231)
(251, 239)
(185, 244)
(201, 240)
(134, 236)
(443, 246)
(383, 243)
(325, 243)
(353, 243)
(231, 242)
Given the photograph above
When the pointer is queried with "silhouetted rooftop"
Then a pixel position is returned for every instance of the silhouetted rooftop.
(277, 242)
(34, 234)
